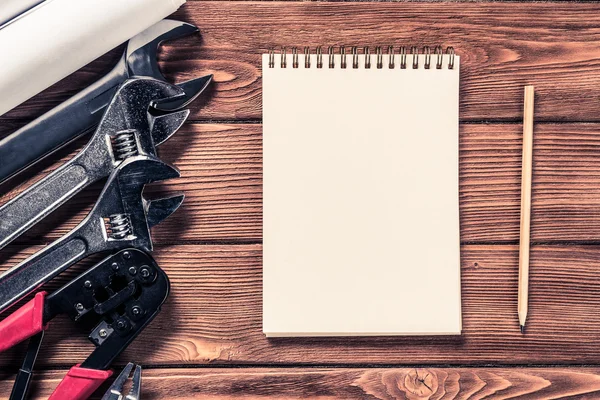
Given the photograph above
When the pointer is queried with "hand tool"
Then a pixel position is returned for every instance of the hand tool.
(121, 218)
(114, 301)
(115, 392)
(126, 130)
(82, 112)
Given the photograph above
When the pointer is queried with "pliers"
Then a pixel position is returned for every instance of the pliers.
(115, 392)
(115, 300)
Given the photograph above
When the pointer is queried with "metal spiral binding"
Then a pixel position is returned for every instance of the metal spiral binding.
(391, 57)
(438, 53)
(124, 144)
(331, 61)
(319, 57)
(427, 52)
(306, 57)
(120, 227)
(450, 50)
(415, 57)
(271, 58)
(402, 57)
(294, 57)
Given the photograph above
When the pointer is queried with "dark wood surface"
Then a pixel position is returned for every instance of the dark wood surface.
(357, 383)
(207, 343)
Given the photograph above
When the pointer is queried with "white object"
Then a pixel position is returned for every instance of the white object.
(361, 201)
(10, 9)
(61, 36)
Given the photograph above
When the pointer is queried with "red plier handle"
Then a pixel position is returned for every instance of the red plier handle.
(27, 321)
(23, 323)
(79, 383)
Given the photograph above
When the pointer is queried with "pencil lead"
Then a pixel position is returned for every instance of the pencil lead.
(522, 328)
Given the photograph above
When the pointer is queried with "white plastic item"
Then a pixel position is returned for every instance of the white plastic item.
(61, 36)
(10, 9)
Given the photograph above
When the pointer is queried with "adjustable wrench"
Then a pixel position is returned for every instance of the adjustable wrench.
(81, 113)
(121, 218)
(126, 130)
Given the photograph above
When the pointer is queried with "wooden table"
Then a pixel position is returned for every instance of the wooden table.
(207, 342)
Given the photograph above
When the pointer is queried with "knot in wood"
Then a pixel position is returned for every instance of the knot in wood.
(420, 383)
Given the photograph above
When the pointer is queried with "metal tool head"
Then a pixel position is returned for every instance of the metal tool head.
(127, 214)
(115, 392)
(141, 57)
(128, 128)
(128, 113)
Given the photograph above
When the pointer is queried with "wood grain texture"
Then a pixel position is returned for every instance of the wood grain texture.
(221, 168)
(501, 46)
(214, 315)
(343, 383)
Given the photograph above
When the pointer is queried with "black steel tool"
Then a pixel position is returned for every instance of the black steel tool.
(82, 112)
(126, 130)
(114, 301)
(121, 218)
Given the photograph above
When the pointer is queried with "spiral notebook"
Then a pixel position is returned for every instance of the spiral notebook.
(361, 212)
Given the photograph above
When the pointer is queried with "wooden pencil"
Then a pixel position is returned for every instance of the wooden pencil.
(525, 206)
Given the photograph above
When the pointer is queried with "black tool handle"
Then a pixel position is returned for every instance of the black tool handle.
(21, 385)
(59, 126)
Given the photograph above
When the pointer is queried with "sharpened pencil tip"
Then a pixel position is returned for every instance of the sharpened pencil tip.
(522, 328)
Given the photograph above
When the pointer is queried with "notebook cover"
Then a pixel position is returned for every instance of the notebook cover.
(361, 212)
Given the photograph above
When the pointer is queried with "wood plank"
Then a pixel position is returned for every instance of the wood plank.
(344, 383)
(560, 55)
(214, 315)
(221, 168)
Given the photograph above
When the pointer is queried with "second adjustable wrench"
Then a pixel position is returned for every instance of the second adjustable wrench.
(126, 130)
(121, 218)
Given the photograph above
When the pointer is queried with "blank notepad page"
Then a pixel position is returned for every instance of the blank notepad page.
(361, 213)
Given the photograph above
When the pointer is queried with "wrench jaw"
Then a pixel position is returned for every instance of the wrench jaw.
(141, 52)
(126, 216)
(141, 59)
(127, 127)
(129, 107)
(164, 126)
(192, 88)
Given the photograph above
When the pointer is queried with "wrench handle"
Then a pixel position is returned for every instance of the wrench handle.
(39, 200)
(38, 269)
(59, 126)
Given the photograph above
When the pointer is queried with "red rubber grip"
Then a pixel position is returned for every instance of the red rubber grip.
(79, 383)
(23, 323)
